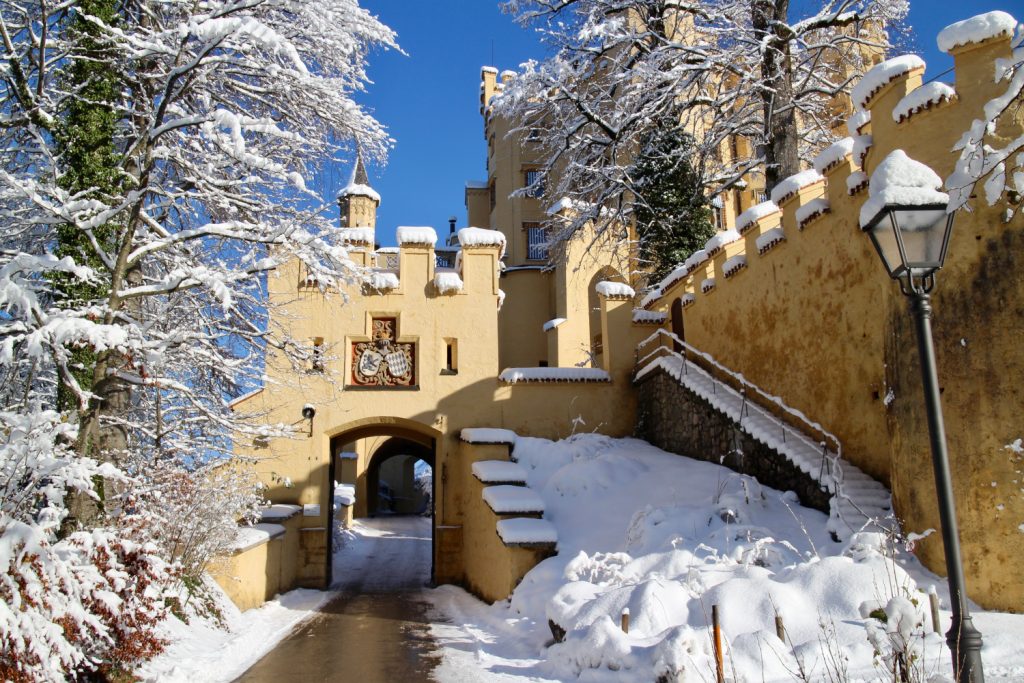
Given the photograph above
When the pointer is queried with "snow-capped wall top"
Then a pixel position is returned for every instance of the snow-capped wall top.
(642, 317)
(487, 435)
(922, 98)
(769, 237)
(881, 74)
(479, 237)
(833, 155)
(975, 30)
(356, 235)
(755, 213)
(477, 184)
(810, 210)
(559, 206)
(718, 241)
(416, 235)
(359, 190)
(901, 180)
(447, 282)
(794, 183)
(488, 70)
(856, 181)
(508, 73)
(553, 323)
(384, 280)
(513, 375)
(615, 290)
(858, 120)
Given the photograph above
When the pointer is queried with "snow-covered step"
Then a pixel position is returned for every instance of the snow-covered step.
(525, 531)
(858, 501)
(507, 499)
(499, 472)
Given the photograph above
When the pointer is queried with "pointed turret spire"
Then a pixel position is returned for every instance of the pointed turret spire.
(357, 201)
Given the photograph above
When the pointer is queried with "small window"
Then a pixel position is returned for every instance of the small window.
(493, 193)
(534, 182)
(718, 217)
(451, 357)
(316, 363)
(536, 241)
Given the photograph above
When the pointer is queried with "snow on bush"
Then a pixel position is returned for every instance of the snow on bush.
(975, 30)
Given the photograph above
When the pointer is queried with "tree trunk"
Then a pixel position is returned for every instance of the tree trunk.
(781, 143)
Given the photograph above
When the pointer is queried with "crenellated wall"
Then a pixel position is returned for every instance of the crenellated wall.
(814, 318)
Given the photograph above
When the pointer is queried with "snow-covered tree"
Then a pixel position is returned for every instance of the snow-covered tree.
(152, 165)
(756, 87)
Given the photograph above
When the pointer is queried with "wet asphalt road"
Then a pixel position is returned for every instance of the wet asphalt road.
(376, 630)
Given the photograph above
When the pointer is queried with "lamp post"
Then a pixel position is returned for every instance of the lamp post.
(910, 230)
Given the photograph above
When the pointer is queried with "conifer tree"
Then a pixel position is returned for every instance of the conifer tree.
(673, 216)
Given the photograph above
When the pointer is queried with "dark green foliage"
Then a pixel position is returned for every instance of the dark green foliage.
(90, 164)
(673, 216)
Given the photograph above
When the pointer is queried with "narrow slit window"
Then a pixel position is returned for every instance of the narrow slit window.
(317, 357)
(451, 357)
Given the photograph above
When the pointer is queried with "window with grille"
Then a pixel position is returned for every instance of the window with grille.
(536, 241)
(534, 182)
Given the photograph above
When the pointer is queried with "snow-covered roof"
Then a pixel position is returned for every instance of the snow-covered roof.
(975, 30)
(614, 290)
(833, 155)
(642, 317)
(481, 237)
(356, 235)
(794, 183)
(408, 234)
(901, 180)
(922, 98)
(513, 375)
(499, 472)
(882, 74)
(507, 499)
(751, 216)
(487, 435)
(553, 323)
(447, 281)
(526, 531)
(811, 210)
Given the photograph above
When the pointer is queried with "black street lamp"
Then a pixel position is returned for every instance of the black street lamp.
(912, 239)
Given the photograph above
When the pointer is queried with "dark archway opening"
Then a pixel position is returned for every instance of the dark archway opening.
(401, 461)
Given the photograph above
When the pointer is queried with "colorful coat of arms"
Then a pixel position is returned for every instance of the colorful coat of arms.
(383, 361)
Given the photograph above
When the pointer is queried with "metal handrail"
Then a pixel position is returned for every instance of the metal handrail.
(799, 423)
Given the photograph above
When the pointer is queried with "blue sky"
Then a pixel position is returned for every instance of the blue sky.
(429, 99)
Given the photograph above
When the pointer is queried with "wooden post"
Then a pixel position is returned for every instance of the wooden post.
(780, 628)
(716, 630)
(625, 620)
(933, 598)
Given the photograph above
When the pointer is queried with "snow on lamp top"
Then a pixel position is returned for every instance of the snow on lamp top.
(882, 74)
(416, 235)
(479, 237)
(975, 30)
(901, 181)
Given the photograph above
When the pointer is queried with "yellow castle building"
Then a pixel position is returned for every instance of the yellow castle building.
(447, 351)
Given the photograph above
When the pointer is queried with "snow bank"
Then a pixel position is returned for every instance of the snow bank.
(614, 290)
(901, 180)
(526, 531)
(508, 499)
(975, 30)
(499, 472)
(487, 435)
(447, 281)
(751, 216)
(882, 74)
(356, 235)
(416, 235)
(513, 375)
(833, 155)
(479, 237)
(794, 183)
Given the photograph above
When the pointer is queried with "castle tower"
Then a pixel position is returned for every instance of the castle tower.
(357, 201)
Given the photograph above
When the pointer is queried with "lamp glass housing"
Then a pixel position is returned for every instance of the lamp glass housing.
(911, 239)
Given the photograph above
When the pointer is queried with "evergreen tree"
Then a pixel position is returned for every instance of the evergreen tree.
(673, 216)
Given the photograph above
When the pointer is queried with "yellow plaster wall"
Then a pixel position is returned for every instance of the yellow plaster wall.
(817, 321)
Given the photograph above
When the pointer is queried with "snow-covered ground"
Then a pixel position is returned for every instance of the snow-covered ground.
(667, 538)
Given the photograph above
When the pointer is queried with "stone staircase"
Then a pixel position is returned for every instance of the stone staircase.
(856, 501)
